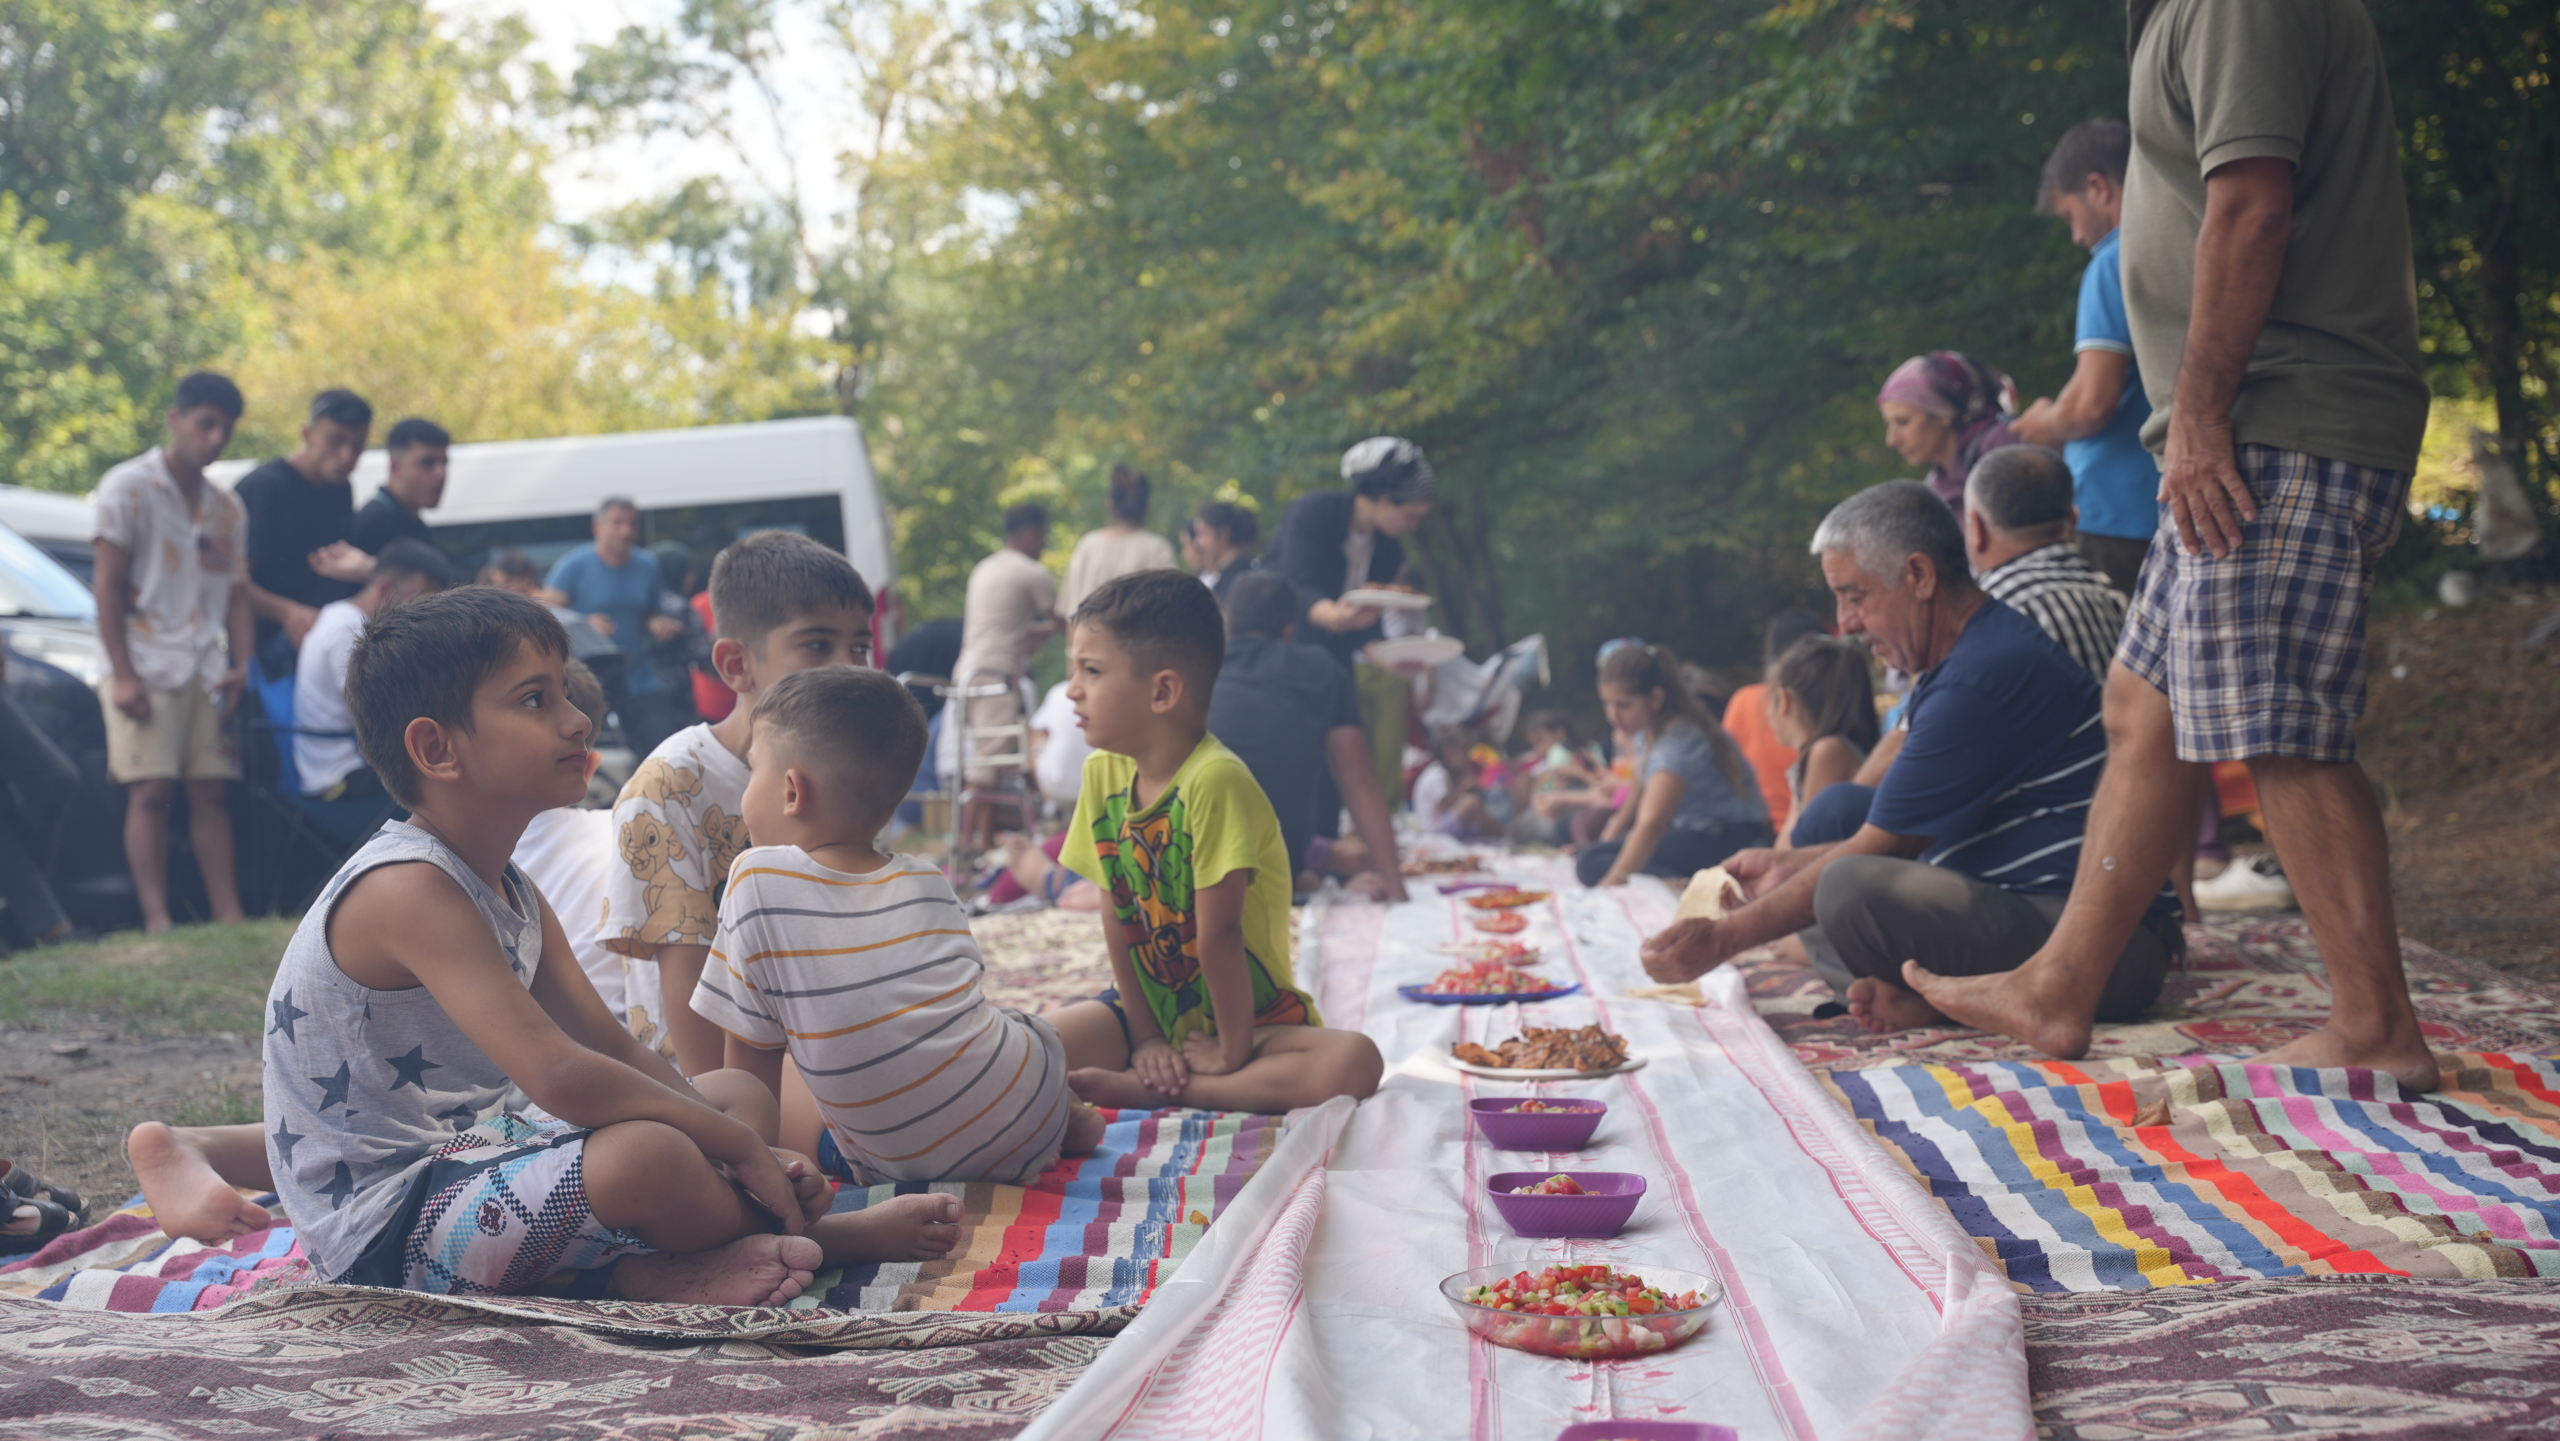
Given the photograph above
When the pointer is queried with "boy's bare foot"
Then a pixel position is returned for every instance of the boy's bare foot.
(1120, 1090)
(1881, 1006)
(2019, 1004)
(187, 1197)
(1084, 1130)
(750, 1271)
(2406, 1059)
(902, 1228)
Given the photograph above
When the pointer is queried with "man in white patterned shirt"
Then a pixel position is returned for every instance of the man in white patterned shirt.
(2018, 521)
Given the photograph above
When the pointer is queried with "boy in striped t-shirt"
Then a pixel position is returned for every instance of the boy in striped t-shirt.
(860, 965)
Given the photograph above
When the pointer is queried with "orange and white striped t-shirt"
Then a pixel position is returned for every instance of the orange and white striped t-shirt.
(872, 981)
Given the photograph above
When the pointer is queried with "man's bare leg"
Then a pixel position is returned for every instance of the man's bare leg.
(209, 833)
(2143, 813)
(2327, 829)
(188, 1172)
(146, 848)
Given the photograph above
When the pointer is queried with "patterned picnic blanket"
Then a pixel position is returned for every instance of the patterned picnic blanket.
(1096, 1232)
(2125, 1175)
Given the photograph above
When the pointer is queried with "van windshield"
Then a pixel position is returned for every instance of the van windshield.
(33, 584)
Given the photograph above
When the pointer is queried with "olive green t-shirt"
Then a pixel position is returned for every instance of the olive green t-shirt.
(2335, 374)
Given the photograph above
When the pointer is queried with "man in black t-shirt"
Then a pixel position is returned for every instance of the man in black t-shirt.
(300, 511)
(1289, 712)
(417, 451)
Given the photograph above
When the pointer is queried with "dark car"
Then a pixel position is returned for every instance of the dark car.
(49, 622)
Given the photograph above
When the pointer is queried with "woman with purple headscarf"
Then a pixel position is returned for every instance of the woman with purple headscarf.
(1946, 410)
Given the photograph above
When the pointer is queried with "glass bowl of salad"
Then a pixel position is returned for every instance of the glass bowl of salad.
(1583, 1312)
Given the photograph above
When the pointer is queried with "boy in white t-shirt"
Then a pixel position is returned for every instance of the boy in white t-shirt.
(784, 603)
(859, 965)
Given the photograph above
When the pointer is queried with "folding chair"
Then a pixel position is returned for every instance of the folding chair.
(306, 835)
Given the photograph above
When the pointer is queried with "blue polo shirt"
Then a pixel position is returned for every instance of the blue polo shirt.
(2113, 478)
(2003, 756)
(626, 593)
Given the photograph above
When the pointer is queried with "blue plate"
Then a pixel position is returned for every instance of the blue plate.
(1417, 993)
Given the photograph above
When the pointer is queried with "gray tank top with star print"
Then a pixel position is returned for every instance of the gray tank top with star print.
(362, 1086)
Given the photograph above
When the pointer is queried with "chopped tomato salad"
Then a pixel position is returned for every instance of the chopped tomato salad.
(1596, 1290)
(1488, 978)
(1556, 1185)
(1570, 1106)
(1504, 924)
(1505, 900)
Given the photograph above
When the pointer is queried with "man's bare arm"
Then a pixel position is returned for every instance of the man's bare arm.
(2086, 404)
(2248, 219)
(112, 574)
(293, 615)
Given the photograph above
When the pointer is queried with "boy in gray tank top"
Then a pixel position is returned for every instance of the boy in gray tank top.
(430, 976)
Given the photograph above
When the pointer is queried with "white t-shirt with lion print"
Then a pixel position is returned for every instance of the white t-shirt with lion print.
(676, 827)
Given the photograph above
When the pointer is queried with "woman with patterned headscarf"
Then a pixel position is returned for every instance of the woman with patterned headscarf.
(1947, 410)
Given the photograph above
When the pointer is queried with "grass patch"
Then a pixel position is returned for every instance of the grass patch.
(193, 981)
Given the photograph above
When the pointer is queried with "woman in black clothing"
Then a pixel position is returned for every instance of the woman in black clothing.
(1340, 540)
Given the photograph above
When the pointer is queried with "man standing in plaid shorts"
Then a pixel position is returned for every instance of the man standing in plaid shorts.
(2274, 315)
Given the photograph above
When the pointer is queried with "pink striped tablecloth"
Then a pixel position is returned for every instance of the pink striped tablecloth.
(1857, 1307)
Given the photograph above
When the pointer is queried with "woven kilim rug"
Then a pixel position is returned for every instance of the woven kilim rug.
(349, 1361)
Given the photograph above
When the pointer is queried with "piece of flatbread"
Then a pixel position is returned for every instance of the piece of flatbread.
(1686, 993)
(1711, 894)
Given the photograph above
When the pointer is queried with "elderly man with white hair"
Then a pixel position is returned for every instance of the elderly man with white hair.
(1971, 840)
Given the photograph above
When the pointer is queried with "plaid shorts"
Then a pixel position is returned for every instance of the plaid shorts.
(2261, 653)
(497, 1211)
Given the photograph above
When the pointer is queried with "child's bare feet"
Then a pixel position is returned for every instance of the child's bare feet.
(188, 1198)
(1120, 1090)
(809, 1185)
(1084, 1130)
(750, 1271)
(902, 1228)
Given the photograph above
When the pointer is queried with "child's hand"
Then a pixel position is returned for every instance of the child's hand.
(816, 1195)
(1205, 1054)
(1159, 1067)
(753, 1168)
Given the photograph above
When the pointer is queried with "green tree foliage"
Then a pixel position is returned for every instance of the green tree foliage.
(60, 397)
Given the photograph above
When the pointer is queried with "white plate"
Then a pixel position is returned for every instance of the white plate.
(1386, 599)
(1496, 1073)
(1421, 650)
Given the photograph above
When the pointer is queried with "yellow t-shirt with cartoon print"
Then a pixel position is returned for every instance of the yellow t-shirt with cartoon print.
(1211, 822)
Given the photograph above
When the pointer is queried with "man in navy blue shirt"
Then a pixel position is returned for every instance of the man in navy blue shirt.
(1969, 848)
(615, 585)
(2097, 420)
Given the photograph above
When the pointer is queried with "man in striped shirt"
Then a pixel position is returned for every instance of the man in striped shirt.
(2018, 519)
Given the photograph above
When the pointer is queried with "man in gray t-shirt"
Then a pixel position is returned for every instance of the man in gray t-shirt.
(2274, 315)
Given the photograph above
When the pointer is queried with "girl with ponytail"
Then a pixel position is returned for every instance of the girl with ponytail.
(1696, 800)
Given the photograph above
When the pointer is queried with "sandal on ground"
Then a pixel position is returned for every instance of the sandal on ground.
(28, 1186)
(51, 1221)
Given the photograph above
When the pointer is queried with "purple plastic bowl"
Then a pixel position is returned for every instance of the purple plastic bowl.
(1512, 1130)
(1647, 1431)
(1597, 1216)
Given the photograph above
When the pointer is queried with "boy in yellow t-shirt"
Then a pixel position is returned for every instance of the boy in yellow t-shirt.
(1173, 827)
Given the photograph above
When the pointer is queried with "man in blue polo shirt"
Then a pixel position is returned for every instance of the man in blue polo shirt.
(615, 585)
(2097, 420)
(1971, 840)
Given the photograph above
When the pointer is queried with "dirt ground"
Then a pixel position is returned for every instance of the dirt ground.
(2463, 736)
(67, 1115)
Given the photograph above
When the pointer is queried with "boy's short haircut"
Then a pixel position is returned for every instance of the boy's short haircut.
(514, 565)
(612, 503)
(415, 557)
(415, 431)
(1026, 515)
(586, 692)
(1242, 526)
(342, 407)
(206, 387)
(849, 726)
(2092, 147)
(428, 658)
(760, 583)
(1165, 620)
(1261, 602)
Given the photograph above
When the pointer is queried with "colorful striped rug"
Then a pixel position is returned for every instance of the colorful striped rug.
(1096, 1231)
(2127, 1174)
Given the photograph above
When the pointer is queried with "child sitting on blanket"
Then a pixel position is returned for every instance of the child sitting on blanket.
(860, 964)
(430, 975)
(785, 603)
(1173, 827)
(189, 1173)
